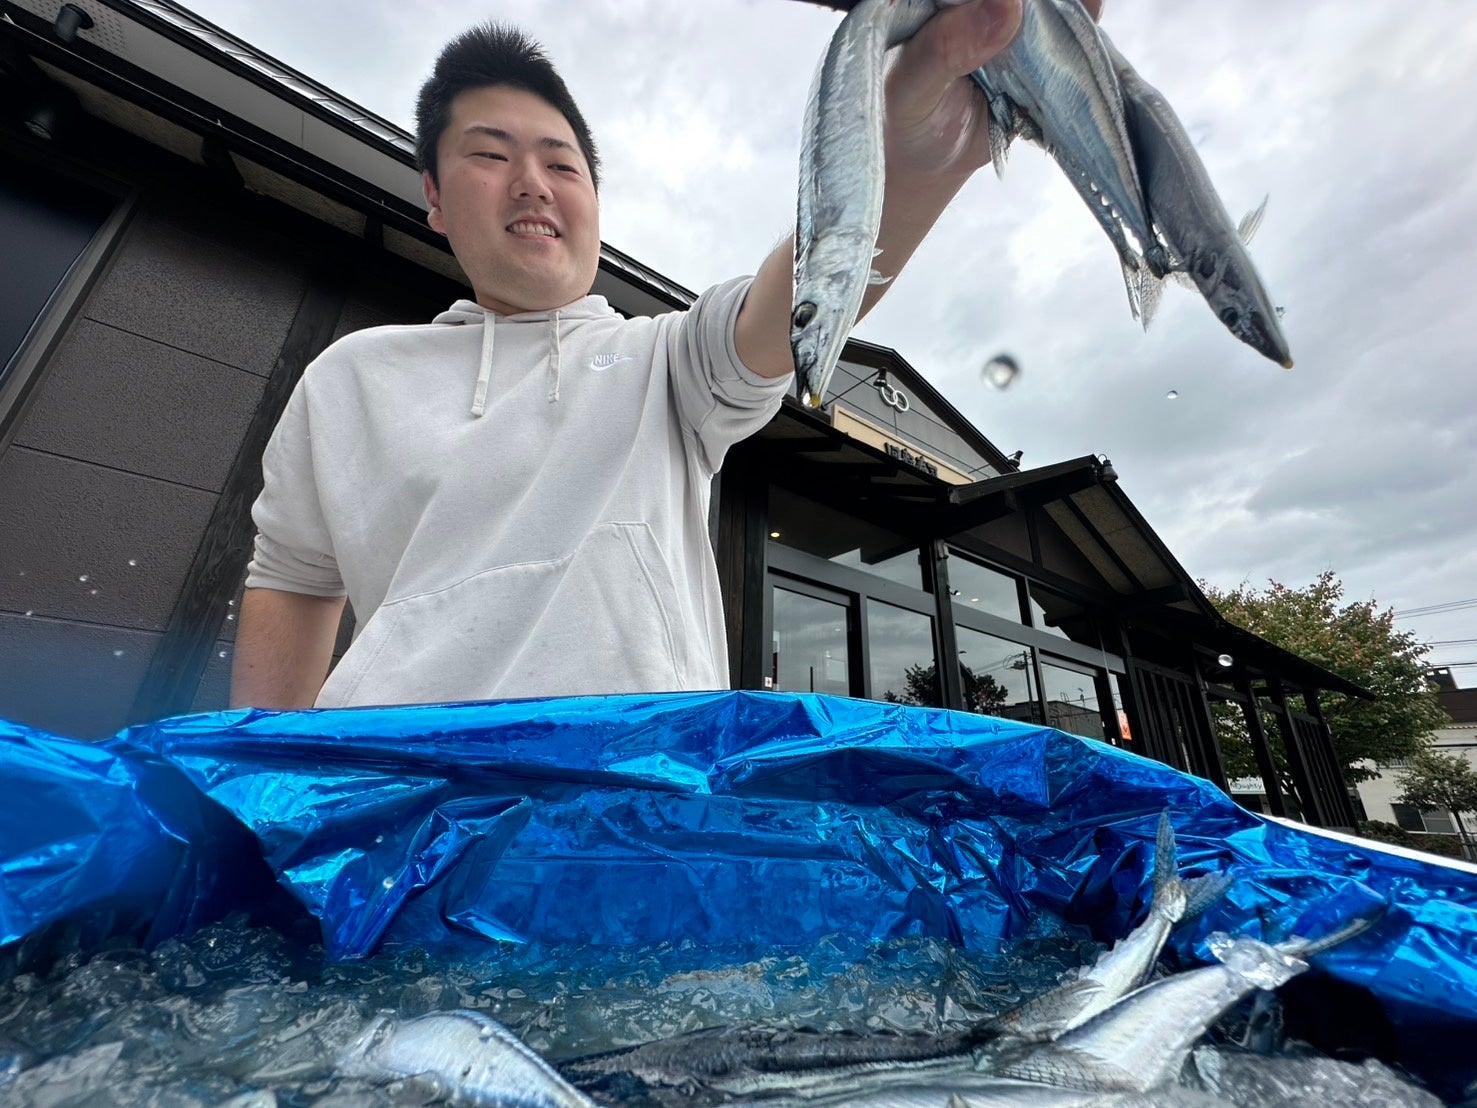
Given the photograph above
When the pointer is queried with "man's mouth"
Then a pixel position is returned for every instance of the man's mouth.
(531, 227)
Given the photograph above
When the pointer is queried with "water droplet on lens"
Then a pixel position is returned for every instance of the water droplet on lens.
(1172, 394)
(388, 883)
(117, 653)
(1000, 371)
(133, 561)
(83, 578)
(379, 838)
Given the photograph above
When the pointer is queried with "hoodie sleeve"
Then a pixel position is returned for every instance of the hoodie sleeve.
(719, 399)
(293, 551)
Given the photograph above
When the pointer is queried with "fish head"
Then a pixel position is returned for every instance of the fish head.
(805, 343)
(1240, 304)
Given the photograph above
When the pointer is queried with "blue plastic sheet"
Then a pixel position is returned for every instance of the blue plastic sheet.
(744, 819)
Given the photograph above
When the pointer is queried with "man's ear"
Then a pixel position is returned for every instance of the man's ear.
(433, 198)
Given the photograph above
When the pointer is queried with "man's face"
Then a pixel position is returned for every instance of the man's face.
(516, 201)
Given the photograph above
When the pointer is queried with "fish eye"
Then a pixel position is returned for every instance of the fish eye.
(1230, 316)
(1230, 280)
(1207, 267)
(803, 316)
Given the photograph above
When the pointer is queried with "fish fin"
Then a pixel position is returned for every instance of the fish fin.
(1143, 291)
(1169, 893)
(1202, 892)
(1183, 280)
(1251, 221)
(999, 147)
(876, 278)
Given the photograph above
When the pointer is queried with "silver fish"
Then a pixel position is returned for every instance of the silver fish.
(475, 1059)
(975, 1091)
(1128, 964)
(1055, 85)
(1144, 1040)
(1203, 242)
(839, 200)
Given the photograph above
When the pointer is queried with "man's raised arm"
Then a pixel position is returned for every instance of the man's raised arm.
(284, 645)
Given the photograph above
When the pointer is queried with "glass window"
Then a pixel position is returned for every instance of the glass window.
(1062, 616)
(1437, 821)
(900, 645)
(997, 675)
(1408, 817)
(810, 644)
(1071, 701)
(45, 223)
(973, 586)
(804, 524)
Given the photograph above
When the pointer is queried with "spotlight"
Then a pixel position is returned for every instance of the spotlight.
(1015, 459)
(1106, 471)
(69, 21)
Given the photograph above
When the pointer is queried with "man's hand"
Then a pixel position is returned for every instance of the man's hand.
(936, 136)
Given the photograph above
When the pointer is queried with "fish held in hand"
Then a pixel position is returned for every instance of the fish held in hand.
(1201, 238)
(1055, 85)
(839, 201)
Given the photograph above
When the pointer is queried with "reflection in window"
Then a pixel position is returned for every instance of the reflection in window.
(809, 645)
(973, 586)
(1062, 616)
(997, 677)
(1071, 701)
(804, 524)
(904, 670)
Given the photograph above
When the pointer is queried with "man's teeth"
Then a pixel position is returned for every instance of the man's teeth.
(533, 229)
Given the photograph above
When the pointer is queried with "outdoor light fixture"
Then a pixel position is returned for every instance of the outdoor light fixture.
(69, 21)
(1015, 459)
(774, 534)
(1224, 661)
(1106, 470)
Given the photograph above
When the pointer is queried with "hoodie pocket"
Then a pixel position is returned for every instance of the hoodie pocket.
(601, 619)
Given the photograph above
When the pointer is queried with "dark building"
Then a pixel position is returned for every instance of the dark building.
(187, 222)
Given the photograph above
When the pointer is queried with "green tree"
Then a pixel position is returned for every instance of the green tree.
(1358, 642)
(1445, 782)
(982, 694)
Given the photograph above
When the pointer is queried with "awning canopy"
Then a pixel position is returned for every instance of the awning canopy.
(1144, 581)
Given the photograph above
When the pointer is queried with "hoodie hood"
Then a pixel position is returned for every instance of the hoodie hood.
(469, 312)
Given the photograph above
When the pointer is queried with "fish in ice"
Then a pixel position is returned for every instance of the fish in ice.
(471, 1057)
(839, 198)
(1201, 240)
(1127, 964)
(1055, 85)
(1144, 1040)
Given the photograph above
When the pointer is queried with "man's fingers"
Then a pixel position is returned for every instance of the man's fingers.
(957, 41)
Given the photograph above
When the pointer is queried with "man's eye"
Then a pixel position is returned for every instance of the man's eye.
(567, 168)
(489, 154)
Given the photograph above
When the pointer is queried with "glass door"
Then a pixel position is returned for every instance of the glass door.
(810, 646)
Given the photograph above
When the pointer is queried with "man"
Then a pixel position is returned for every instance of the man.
(515, 497)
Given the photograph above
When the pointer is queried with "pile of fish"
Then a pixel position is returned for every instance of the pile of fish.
(1062, 85)
(1110, 1036)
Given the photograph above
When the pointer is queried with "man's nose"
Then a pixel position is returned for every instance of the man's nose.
(531, 180)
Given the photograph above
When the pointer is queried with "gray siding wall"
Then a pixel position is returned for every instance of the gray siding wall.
(116, 469)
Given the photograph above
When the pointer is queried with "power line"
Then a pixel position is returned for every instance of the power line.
(1434, 609)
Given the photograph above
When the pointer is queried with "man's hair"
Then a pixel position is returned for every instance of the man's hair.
(493, 54)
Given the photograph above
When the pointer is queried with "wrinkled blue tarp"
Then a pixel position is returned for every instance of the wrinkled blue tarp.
(756, 820)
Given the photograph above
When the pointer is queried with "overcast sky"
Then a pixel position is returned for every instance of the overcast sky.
(1358, 119)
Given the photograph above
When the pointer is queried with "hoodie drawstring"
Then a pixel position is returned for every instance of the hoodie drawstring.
(484, 370)
(554, 358)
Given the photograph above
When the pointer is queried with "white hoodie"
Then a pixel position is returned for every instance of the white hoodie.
(515, 505)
